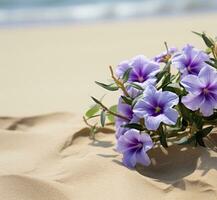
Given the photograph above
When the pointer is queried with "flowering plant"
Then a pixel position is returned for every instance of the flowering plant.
(156, 105)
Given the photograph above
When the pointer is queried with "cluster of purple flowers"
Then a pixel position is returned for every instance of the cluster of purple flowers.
(154, 106)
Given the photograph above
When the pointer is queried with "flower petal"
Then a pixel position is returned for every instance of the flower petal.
(152, 123)
(122, 145)
(133, 92)
(191, 84)
(199, 58)
(171, 116)
(147, 141)
(129, 159)
(125, 110)
(152, 68)
(141, 108)
(149, 81)
(128, 140)
(146, 66)
(168, 98)
(132, 135)
(207, 75)
(193, 102)
(178, 61)
(142, 158)
(190, 60)
(206, 109)
(122, 67)
(120, 131)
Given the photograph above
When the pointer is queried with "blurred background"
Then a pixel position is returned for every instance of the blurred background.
(52, 51)
(16, 12)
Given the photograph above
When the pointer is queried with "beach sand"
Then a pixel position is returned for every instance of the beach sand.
(50, 156)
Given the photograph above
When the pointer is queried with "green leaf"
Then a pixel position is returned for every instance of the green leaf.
(166, 81)
(113, 108)
(184, 124)
(204, 132)
(201, 134)
(138, 87)
(183, 140)
(127, 100)
(126, 75)
(208, 50)
(92, 111)
(186, 113)
(198, 121)
(199, 34)
(181, 125)
(209, 43)
(162, 73)
(137, 99)
(197, 137)
(111, 117)
(110, 87)
(173, 77)
(214, 60)
(211, 64)
(93, 131)
(174, 89)
(200, 141)
(163, 139)
(103, 118)
(186, 140)
(135, 126)
(96, 100)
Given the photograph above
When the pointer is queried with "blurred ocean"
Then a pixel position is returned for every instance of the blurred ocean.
(15, 12)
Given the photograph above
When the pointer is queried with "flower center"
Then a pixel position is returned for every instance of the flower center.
(189, 68)
(140, 145)
(166, 58)
(205, 91)
(157, 109)
(141, 79)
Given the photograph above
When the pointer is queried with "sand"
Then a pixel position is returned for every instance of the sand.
(50, 156)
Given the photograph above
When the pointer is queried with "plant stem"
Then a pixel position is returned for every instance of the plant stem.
(87, 123)
(119, 83)
(93, 117)
(109, 111)
(213, 52)
(165, 43)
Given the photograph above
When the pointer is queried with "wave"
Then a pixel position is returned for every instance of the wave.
(89, 12)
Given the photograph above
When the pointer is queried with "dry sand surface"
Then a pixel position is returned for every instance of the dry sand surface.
(49, 156)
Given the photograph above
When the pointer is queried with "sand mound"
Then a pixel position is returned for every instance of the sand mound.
(51, 157)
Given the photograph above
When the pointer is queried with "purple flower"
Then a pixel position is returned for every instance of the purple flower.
(202, 91)
(134, 146)
(143, 70)
(166, 55)
(126, 111)
(190, 60)
(122, 67)
(133, 92)
(156, 107)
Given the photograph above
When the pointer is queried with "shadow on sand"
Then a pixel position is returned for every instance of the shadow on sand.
(180, 161)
